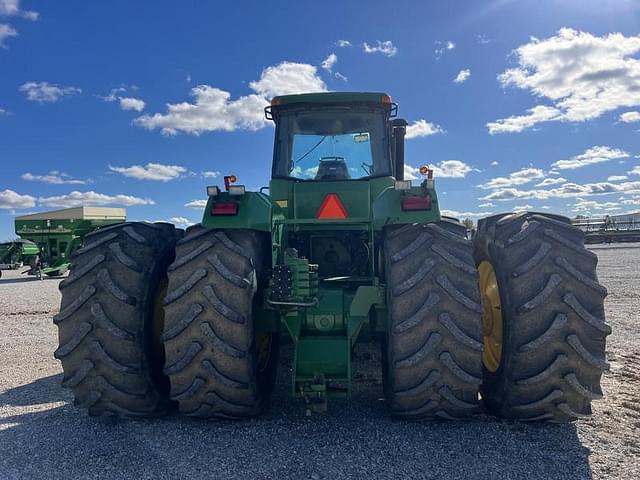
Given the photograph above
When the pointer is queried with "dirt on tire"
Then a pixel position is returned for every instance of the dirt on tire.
(105, 322)
(432, 352)
(209, 333)
(553, 344)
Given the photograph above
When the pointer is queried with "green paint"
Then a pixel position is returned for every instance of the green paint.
(56, 239)
(324, 313)
(254, 212)
(387, 208)
(13, 254)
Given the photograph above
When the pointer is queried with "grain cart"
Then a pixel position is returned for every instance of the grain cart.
(59, 233)
(342, 249)
(16, 253)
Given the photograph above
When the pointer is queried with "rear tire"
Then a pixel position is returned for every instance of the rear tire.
(209, 337)
(432, 352)
(553, 334)
(106, 320)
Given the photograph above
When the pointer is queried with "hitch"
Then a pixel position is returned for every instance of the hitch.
(314, 395)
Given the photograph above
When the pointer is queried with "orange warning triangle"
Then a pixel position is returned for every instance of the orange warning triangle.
(331, 207)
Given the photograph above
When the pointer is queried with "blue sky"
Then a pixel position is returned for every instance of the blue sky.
(142, 104)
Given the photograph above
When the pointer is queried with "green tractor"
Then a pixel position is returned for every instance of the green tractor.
(341, 250)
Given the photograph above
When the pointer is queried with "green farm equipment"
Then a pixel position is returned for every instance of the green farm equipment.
(16, 253)
(343, 249)
(59, 233)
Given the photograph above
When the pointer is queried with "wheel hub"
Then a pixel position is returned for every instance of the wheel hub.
(491, 316)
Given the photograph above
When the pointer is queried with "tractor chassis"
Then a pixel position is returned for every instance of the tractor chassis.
(324, 334)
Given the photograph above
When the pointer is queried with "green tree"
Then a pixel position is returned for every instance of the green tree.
(467, 222)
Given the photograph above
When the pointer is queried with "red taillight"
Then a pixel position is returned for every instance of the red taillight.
(416, 203)
(224, 208)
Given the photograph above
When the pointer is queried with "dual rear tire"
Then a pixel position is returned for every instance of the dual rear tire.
(527, 334)
(115, 336)
(552, 328)
(218, 366)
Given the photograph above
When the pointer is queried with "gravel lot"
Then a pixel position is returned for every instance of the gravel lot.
(43, 436)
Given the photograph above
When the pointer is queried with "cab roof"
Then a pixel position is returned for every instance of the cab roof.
(333, 97)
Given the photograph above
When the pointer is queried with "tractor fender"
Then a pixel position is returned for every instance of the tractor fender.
(387, 208)
(254, 212)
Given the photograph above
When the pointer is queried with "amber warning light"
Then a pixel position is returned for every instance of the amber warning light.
(229, 179)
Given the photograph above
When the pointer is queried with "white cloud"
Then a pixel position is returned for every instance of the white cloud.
(44, 92)
(210, 174)
(635, 200)
(522, 208)
(10, 200)
(79, 199)
(444, 169)
(494, 163)
(587, 206)
(566, 190)
(442, 48)
(196, 204)
(181, 222)
(616, 178)
(628, 117)
(635, 170)
(518, 123)
(113, 95)
(213, 109)
(422, 128)
(482, 40)
(306, 173)
(520, 177)
(457, 214)
(130, 103)
(6, 31)
(343, 43)
(11, 8)
(582, 74)
(486, 205)
(551, 181)
(126, 103)
(329, 62)
(451, 169)
(340, 76)
(462, 76)
(151, 171)
(54, 178)
(386, 48)
(597, 154)
(287, 78)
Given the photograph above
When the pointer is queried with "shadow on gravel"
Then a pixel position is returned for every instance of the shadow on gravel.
(356, 439)
(43, 390)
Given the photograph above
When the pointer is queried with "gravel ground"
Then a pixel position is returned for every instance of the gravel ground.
(43, 436)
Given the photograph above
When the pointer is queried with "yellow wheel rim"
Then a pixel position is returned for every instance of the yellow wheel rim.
(491, 316)
(263, 349)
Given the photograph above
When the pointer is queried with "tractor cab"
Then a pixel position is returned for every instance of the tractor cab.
(335, 136)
